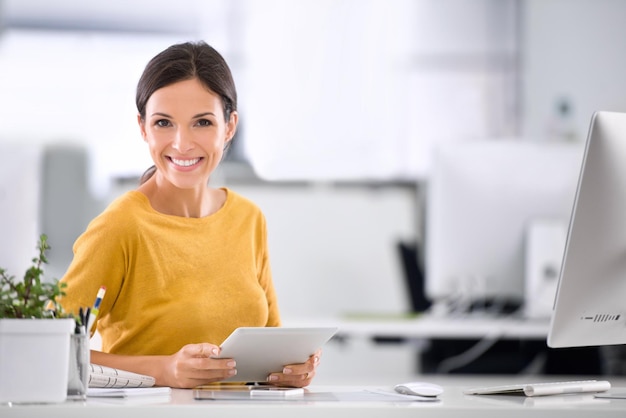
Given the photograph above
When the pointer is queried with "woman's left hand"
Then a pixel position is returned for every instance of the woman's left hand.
(297, 375)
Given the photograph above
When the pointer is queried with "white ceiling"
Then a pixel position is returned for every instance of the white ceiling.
(154, 16)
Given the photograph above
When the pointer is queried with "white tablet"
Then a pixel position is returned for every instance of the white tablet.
(260, 351)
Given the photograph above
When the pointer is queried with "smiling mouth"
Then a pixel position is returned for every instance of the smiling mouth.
(184, 163)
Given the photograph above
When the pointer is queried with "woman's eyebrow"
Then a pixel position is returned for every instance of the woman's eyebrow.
(161, 114)
(199, 115)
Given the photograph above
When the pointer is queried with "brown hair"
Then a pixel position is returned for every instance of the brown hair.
(181, 62)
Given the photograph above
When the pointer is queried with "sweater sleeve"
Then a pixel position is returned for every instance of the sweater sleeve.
(265, 279)
(99, 260)
(273, 318)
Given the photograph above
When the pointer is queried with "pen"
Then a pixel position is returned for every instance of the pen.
(96, 307)
(99, 296)
(80, 322)
(86, 321)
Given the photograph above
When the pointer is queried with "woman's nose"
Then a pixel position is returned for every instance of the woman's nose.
(182, 141)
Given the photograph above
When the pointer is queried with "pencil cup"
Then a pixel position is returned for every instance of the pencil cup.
(78, 378)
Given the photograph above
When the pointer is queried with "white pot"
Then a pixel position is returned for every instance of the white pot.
(34, 357)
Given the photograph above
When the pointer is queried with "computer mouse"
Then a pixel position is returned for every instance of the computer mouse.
(419, 389)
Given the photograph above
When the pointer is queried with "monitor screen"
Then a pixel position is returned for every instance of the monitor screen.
(590, 305)
(482, 198)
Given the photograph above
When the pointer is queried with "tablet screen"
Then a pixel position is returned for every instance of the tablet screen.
(260, 351)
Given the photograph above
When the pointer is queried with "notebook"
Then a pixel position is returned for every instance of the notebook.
(109, 377)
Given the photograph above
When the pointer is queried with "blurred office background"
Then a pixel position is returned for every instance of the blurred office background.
(342, 104)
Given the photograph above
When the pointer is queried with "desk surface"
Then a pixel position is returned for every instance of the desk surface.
(453, 404)
(427, 326)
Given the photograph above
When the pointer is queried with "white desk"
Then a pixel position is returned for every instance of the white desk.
(426, 326)
(453, 404)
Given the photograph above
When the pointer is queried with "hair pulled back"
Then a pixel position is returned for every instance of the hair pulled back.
(182, 62)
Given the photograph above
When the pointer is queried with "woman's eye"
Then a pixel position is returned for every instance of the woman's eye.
(162, 123)
(204, 122)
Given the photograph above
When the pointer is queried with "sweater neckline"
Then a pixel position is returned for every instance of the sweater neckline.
(143, 199)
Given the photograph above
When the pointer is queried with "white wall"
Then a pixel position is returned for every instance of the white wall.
(573, 49)
(333, 249)
(76, 87)
(354, 89)
(19, 210)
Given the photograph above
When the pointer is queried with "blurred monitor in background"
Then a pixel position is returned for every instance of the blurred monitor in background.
(483, 197)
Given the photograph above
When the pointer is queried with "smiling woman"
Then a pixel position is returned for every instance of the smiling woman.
(187, 132)
(175, 250)
(211, 86)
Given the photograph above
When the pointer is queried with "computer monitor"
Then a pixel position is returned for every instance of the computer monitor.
(482, 197)
(590, 304)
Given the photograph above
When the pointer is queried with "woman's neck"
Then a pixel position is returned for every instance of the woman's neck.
(187, 203)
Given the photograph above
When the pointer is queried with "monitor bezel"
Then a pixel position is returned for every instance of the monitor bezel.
(590, 302)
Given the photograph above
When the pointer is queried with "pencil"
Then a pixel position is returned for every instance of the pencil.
(96, 308)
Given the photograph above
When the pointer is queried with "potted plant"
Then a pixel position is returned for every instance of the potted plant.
(34, 336)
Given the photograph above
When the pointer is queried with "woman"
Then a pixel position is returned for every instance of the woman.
(183, 264)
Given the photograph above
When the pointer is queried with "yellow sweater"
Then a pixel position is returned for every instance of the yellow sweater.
(171, 280)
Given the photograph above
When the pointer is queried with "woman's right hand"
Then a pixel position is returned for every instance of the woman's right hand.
(194, 365)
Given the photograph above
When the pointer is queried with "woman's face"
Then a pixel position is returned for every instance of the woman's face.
(186, 132)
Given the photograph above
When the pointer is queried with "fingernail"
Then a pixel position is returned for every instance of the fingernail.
(215, 351)
(316, 359)
(287, 370)
(232, 372)
(231, 364)
(272, 378)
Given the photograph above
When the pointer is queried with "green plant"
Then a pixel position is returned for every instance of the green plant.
(31, 297)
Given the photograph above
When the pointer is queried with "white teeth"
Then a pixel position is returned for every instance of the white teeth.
(185, 163)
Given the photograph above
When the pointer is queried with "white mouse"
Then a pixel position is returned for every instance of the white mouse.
(419, 389)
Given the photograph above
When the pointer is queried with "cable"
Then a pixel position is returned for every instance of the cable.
(469, 355)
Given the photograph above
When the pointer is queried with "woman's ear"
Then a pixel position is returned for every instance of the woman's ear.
(231, 127)
(142, 126)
